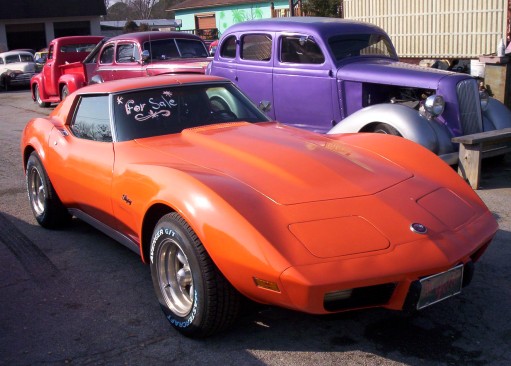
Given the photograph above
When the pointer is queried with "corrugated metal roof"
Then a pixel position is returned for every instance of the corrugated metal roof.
(436, 28)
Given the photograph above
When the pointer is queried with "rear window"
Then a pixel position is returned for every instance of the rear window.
(79, 47)
(156, 112)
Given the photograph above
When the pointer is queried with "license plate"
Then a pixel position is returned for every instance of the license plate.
(440, 286)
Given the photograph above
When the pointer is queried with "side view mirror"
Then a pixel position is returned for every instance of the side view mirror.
(145, 55)
(96, 79)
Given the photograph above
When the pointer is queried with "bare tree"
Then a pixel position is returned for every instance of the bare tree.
(141, 7)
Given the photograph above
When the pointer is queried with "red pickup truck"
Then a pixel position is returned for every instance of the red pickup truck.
(62, 72)
(126, 56)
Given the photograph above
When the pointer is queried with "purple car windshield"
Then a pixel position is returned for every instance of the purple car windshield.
(354, 45)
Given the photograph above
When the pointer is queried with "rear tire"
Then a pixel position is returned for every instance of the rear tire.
(38, 99)
(47, 208)
(386, 129)
(196, 298)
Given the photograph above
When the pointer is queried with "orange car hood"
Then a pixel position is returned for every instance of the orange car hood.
(287, 165)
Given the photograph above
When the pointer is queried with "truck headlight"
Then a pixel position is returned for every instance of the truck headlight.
(434, 105)
(485, 98)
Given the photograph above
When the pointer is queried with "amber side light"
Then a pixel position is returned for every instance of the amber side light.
(268, 285)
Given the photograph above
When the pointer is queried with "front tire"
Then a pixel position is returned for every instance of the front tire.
(196, 298)
(38, 99)
(64, 93)
(47, 208)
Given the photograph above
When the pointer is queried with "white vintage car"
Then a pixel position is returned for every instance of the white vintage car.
(16, 68)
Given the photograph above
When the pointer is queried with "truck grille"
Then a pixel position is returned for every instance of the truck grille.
(470, 107)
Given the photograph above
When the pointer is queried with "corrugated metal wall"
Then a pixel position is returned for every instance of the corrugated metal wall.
(436, 28)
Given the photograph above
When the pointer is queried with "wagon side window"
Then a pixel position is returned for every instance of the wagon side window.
(228, 49)
(107, 56)
(256, 47)
(300, 49)
(127, 52)
(91, 120)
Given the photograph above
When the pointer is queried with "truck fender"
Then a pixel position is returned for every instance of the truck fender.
(407, 121)
(73, 81)
(497, 116)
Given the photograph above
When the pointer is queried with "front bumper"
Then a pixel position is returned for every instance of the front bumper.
(21, 79)
(385, 279)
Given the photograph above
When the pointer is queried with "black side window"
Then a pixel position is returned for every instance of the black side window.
(300, 49)
(228, 49)
(127, 52)
(107, 56)
(1, 61)
(92, 119)
(256, 47)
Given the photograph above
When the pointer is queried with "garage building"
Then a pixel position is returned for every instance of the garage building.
(34, 23)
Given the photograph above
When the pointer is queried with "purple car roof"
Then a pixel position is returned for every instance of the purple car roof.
(324, 27)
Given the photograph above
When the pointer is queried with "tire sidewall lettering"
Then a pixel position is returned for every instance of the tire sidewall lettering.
(189, 320)
(156, 236)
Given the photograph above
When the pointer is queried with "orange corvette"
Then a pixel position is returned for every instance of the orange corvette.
(224, 204)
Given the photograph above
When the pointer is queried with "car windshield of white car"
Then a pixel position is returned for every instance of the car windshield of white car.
(156, 112)
(353, 45)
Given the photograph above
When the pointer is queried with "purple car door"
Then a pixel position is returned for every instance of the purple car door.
(304, 85)
(254, 69)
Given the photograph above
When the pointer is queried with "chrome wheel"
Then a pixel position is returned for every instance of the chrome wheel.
(175, 277)
(36, 191)
(44, 201)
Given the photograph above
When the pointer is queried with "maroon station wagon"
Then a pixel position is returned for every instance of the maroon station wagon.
(124, 56)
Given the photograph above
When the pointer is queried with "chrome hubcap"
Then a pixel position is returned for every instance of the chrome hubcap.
(36, 190)
(175, 278)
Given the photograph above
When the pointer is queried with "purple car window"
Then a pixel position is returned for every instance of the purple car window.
(300, 49)
(228, 49)
(256, 47)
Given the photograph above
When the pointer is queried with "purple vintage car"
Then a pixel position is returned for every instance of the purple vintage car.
(332, 75)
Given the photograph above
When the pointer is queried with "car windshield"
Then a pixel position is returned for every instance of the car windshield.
(156, 112)
(11, 59)
(353, 45)
(164, 49)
